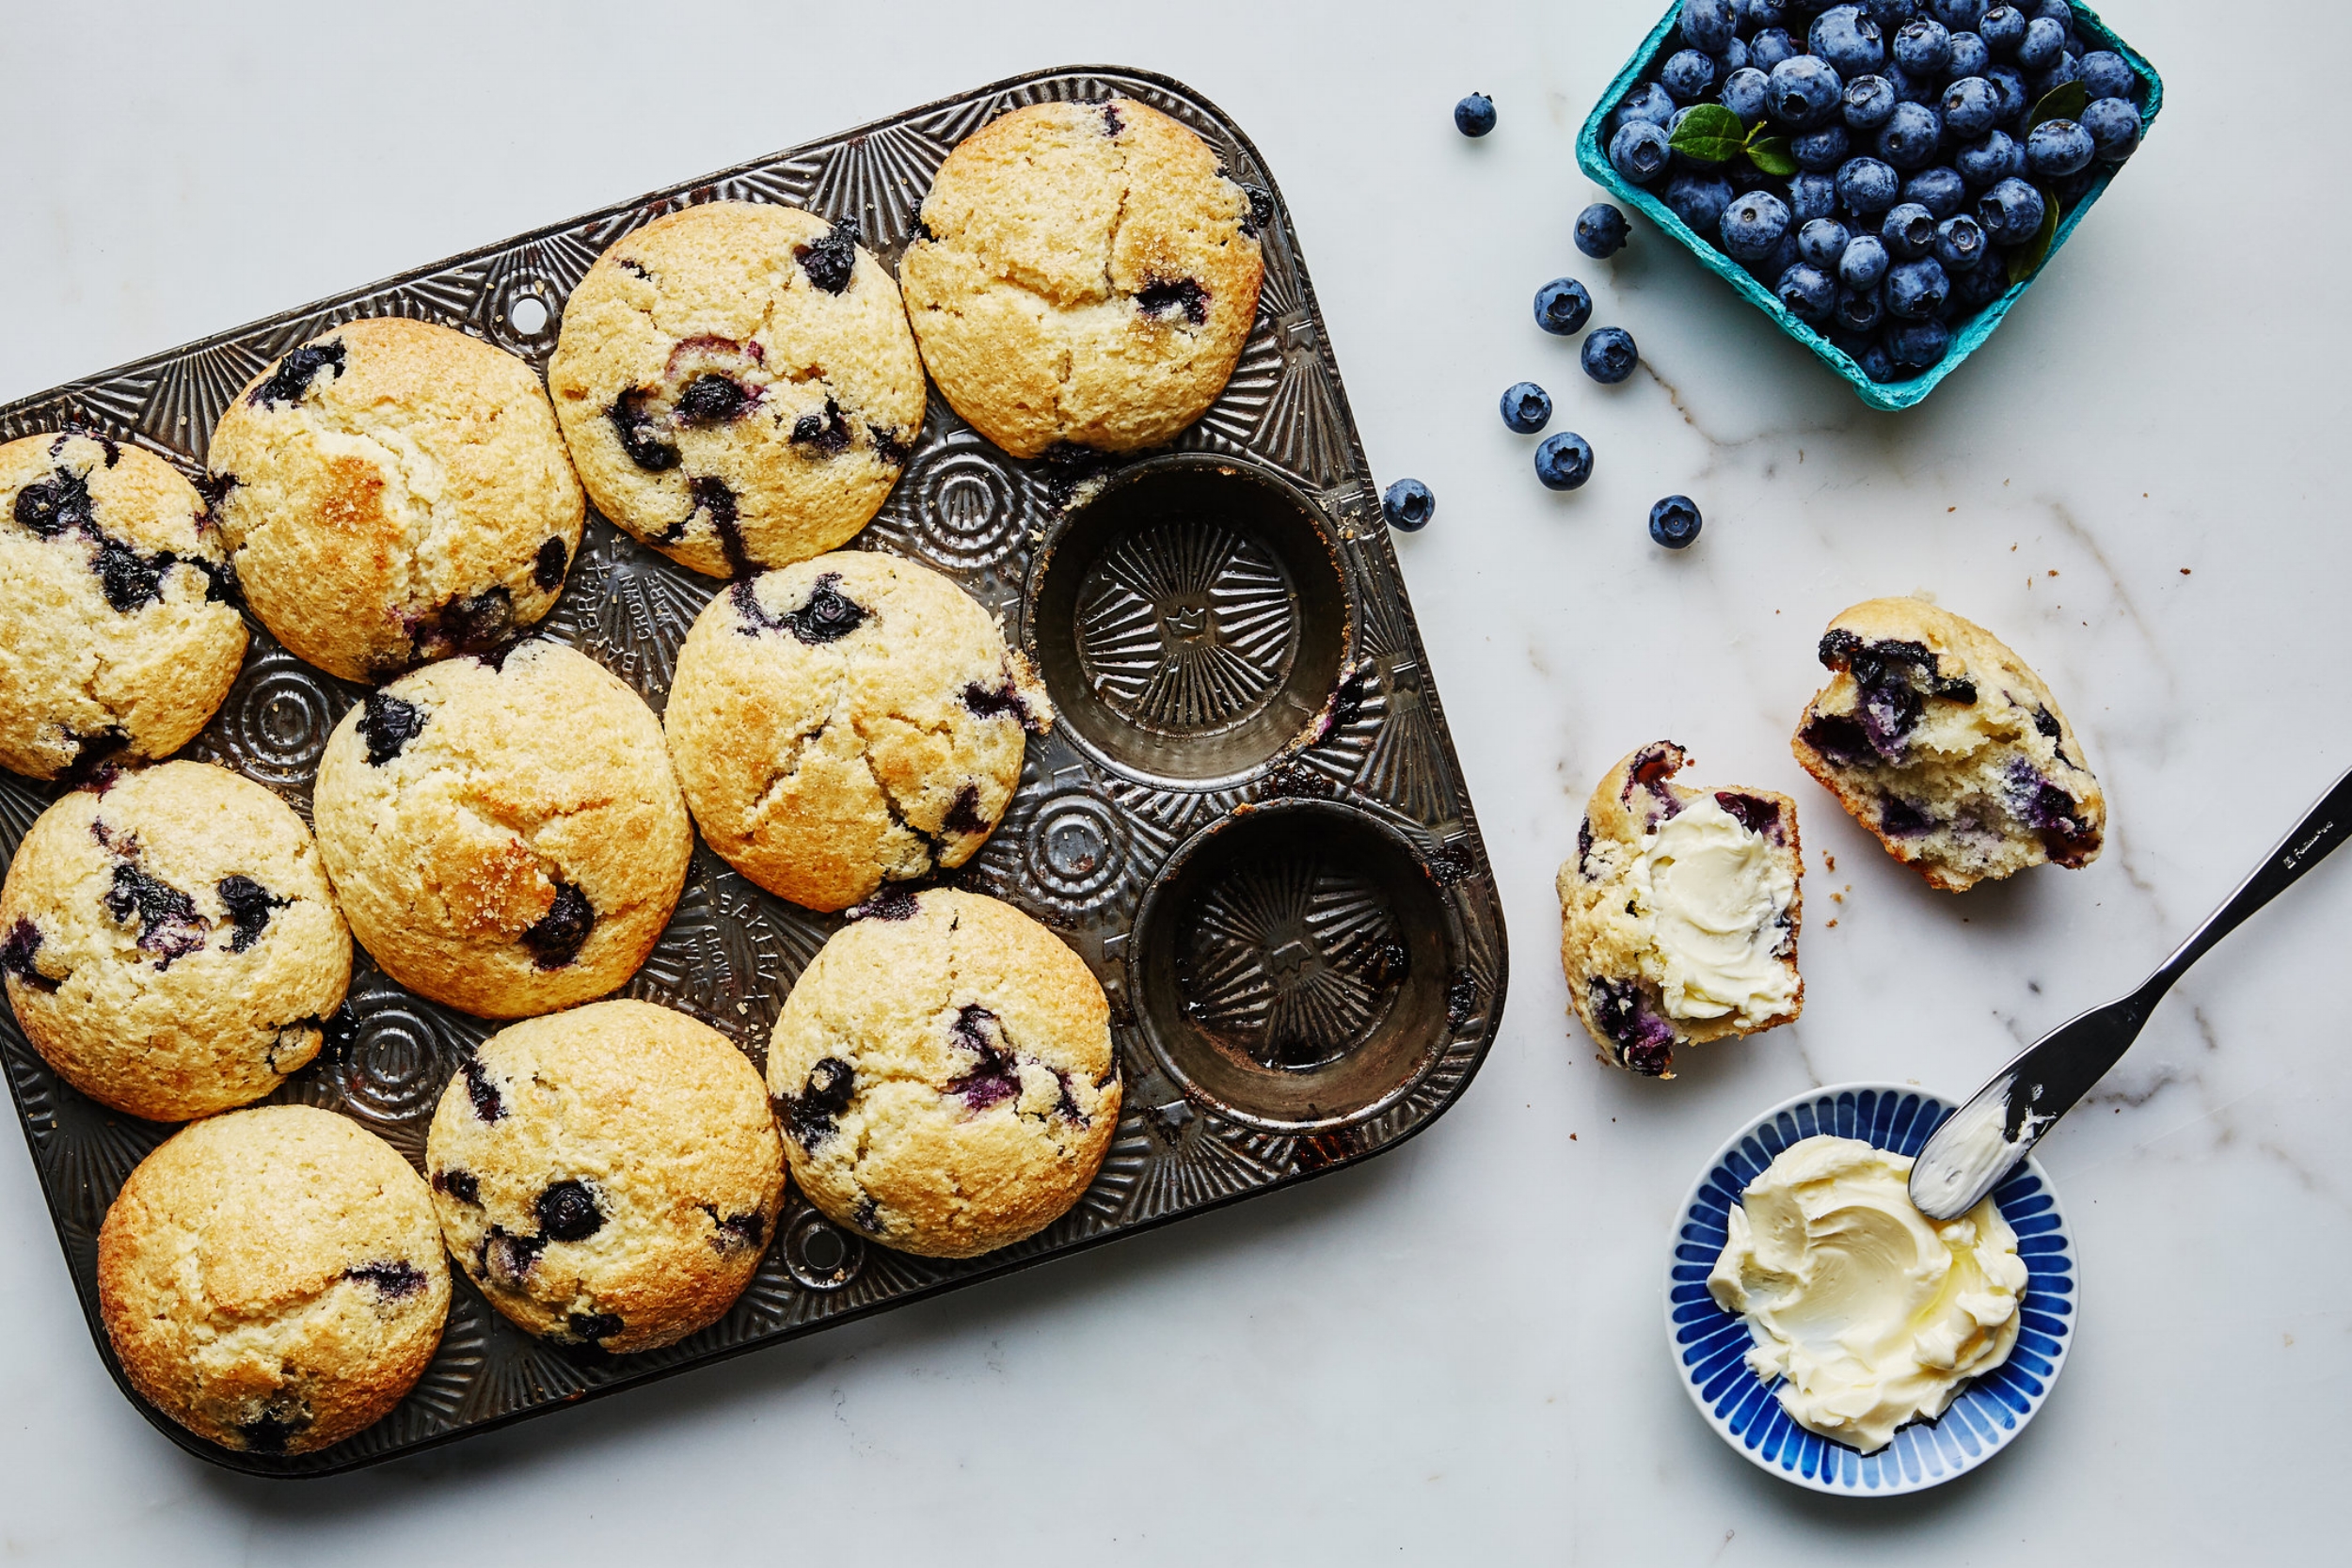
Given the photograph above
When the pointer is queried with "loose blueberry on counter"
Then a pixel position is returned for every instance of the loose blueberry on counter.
(2114, 125)
(1526, 407)
(1474, 116)
(1562, 307)
(1610, 356)
(1408, 505)
(1675, 522)
(1639, 150)
(1564, 461)
(1600, 231)
(2058, 147)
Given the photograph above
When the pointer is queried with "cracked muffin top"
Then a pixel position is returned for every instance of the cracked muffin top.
(117, 592)
(737, 385)
(1082, 273)
(852, 721)
(169, 940)
(392, 492)
(943, 1074)
(1948, 747)
(608, 1176)
(504, 831)
(272, 1279)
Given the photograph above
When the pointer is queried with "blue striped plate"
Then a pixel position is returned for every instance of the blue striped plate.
(1710, 1345)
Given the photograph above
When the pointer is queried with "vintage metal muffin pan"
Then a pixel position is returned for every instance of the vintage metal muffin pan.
(1250, 821)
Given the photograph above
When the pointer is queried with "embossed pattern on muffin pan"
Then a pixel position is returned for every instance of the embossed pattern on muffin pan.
(1250, 821)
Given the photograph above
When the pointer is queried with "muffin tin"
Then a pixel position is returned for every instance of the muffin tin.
(1249, 821)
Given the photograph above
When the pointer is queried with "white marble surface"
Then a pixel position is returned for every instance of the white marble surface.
(1452, 1353)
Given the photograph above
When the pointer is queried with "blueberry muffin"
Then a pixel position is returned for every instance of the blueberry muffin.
(737, 385)
(1678, 915)
(504, 831)
(943, 1074)
(272, 1279)
(849, 721)
(1082, 273)
(392, 492)
(170, 942)
(608, 1176)
(1948, 748)
(116, 591)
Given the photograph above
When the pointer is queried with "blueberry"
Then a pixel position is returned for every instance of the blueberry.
(2114, 127)
(1647, 102)
(1867, 185)
(1959, 15)
(1821, 152)
(1709, 25)
(2106, 73)
(1688, 77)
(1804, 91)
(1609, 355)
(1807, 292)
(1961, 243)
(1753, 224)
(547, 567)
(1970, 108)
(1847, 40)
(1755, 14)
(1600, 231)
(2008, 85)
(711, 399)
(1891, 14)
(1675, 522)
(1868, 101)
(1876, 362)
(1408, 505)
(567, 1211)
(1639, 150)
(1768, 47)
(1812, 195)
(1980, 285)
(1526, 407)
(292, 376)
(248, 904)
(1989, 162)
(1743, 94)
(1909, 230)
(1564, 461)
(1940, 190)
(1730, 58)
(2058, 147)
(1919, 343)
(2011, 212)
(1916, 289)
(2068, 190)
(1908, 139)
(1924, 49)
(2003, 28)
(1766, 269)
(1562, 307)
(386, 725)
(1969, 55)
(1822, 243)
(831, 260)
(556, 937)
(1474, 116)
(1859, 309)
(1864, 263)
(1698, 200)
(2040, 83)
(2044, 43)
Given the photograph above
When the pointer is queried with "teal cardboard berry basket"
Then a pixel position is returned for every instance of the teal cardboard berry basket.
(1592, 152)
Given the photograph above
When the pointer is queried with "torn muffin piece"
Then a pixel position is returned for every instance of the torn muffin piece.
(1679, 913)
(1939, 740)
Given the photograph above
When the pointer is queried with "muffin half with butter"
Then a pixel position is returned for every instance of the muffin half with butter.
(1679, 914)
